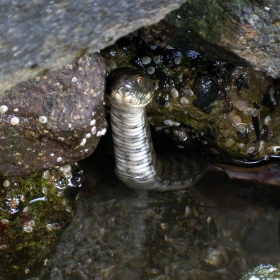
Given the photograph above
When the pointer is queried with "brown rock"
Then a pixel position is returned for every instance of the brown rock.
(53, 119)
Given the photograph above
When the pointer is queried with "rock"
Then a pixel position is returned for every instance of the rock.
(236, 120)
(53, 119)
(262, 271)
(42, 35)
(205, 90)
(234, 31)
(34, 211)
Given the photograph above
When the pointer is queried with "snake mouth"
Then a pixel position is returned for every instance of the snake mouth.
(126, 97)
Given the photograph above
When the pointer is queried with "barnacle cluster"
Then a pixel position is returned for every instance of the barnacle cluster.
(230, 110)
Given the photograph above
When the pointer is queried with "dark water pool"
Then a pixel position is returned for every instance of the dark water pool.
(218, 229)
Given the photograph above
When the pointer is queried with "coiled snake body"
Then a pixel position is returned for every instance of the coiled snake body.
(137, 165)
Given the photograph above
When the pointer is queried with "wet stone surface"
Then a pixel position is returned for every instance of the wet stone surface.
(43, 35)
(34, 211)
(53, 119)
(262, 272)
(236, 31)
(227, 110)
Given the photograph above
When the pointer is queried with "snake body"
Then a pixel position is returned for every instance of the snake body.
(137, 165)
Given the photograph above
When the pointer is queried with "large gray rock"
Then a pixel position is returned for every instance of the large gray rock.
(41, 35)
(234, 31)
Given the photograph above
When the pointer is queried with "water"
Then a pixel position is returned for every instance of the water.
(218, 229)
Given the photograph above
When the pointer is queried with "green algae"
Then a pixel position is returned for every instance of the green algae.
(34, 211)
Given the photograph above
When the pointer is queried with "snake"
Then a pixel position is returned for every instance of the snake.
(137, 165)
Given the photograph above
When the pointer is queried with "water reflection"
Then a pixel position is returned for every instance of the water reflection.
(218, 229)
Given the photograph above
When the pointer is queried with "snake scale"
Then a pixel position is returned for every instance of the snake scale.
(137, 165)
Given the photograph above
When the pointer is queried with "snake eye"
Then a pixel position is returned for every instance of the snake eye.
(139, 80)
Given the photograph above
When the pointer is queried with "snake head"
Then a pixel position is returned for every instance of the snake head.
(129, 88)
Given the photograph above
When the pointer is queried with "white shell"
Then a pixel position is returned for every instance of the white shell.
(83, 142)
(14, 121)
(43, 119)
(3, 109)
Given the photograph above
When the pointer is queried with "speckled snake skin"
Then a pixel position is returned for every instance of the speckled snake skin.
(137, 165)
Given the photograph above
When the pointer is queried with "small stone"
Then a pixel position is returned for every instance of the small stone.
(88, 135)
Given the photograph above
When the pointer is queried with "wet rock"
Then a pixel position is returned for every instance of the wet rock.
(236, 119)
(42, 35)
(34, 211)
(233, 31)
(262, 272)
(53, 119)
(205, 90)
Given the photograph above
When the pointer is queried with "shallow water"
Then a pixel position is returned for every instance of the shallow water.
(218, 229)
